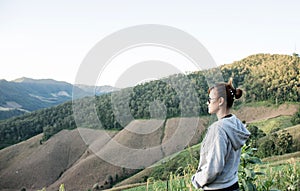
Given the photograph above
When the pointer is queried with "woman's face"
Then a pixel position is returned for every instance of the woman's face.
(213, 102)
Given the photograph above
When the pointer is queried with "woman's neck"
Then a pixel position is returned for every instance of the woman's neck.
(222, 113)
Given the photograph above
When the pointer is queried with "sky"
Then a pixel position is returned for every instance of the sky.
(51, 38)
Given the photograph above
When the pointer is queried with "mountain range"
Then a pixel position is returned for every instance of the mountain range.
(25, 95)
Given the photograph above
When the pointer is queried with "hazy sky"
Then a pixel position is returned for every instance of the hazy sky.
(50, 38)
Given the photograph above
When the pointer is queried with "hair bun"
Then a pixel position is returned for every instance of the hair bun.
(238, 93)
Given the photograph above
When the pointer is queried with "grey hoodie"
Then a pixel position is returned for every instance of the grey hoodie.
(220, 154)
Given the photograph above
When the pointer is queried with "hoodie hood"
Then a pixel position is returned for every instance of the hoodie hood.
(236, 131)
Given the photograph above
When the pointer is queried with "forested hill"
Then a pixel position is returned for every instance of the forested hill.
(262, 77)
(267, 77)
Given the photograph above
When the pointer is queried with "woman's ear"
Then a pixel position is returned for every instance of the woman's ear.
(221, 101)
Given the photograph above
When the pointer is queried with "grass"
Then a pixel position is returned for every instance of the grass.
(265, 104)
(282, 159)
(260, 104)
(175, 182)
(272, 124)
(284, 176)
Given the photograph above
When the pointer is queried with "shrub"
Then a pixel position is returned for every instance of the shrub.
(296, 118)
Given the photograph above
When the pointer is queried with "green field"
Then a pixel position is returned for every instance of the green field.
(274, 124)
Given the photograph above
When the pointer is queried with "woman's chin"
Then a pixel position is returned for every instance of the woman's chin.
(210, 111)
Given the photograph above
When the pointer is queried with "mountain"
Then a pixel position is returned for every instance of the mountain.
(97, 90)
(25, 95)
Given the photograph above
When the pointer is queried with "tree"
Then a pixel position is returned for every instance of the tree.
(266, 147)
(275, 144)
(284, 143)
(256, 134)
(296, 118)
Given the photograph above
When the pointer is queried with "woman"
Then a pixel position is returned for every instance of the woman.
(221, 148)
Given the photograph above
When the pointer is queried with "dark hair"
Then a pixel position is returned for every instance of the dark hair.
(227, 91)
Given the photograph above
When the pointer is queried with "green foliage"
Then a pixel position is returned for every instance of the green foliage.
(277, 141)
(275, 144)
(62, 187)
(256, 134)
(178, 93)
(10, 113)
(296, 118)
(284, 143)
(266, 147)
(288, 177)
(267, 77)
(247, 175)
(176, 181)
(52, 120)
(284, 176)
(176, 164)
(253, 175)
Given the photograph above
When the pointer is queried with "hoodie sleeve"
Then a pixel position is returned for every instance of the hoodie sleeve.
(213, 152)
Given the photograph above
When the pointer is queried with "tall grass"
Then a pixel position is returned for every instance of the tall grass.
(283, 176)
(176, 182)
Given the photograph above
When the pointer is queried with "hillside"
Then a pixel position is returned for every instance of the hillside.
(32, 165)
(253, 113)
(65, 158)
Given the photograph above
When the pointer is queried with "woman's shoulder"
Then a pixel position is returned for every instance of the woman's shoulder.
(217, 127)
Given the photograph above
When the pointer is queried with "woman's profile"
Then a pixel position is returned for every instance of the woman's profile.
(221, 148)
